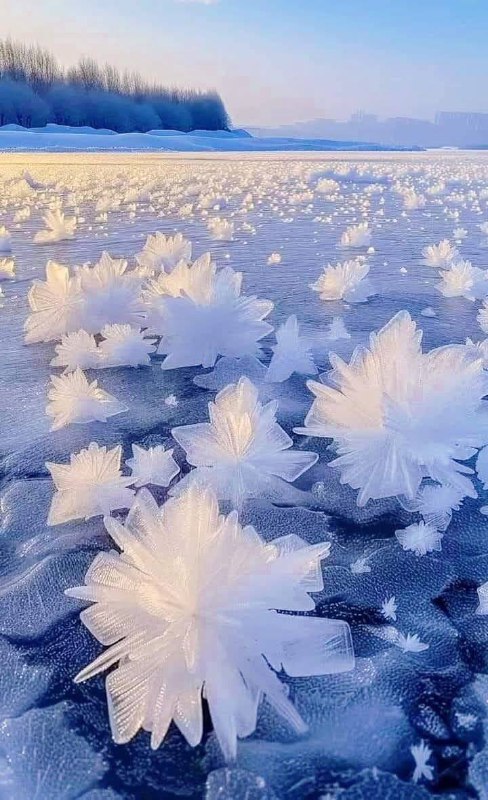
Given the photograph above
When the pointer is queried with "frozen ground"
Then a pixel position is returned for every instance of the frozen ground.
(55, 741)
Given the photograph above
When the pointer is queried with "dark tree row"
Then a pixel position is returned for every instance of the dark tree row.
(35, 90)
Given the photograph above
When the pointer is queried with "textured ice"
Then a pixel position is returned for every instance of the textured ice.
(50, 761)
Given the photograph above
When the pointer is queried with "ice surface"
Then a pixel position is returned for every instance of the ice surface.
(419, 673)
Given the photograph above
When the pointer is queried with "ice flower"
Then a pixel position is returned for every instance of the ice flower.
(464, 280)
(123, 345)
(398, 415)
(155, 466)
(459, 234)
(90, 485)
(212, 319)
(77, 350)
(58, 227)
(356, 236)
(73, 399)
(274, 258)
(346, 281)
(410, 643)
(483, 317)
(337, 330)
(478, 349)
(110, 294)
(290, 354)
(242, 451)
(221, 229)
(389, 609)
(441, 255)
(436, 502)
(327, 186)
(163, 253)
(7, 268)
(421, 754)
(483, 599)
(189, 610)
(56, 305)
(421, 538)
(412, 201)
(482, 466)
(5, 240)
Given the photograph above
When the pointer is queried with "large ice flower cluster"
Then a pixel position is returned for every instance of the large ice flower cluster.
(398, 415)
(87, 300)
(190, 610)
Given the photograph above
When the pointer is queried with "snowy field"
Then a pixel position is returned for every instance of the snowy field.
(384, 694)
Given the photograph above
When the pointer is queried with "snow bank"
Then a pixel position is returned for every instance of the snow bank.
(63, 138)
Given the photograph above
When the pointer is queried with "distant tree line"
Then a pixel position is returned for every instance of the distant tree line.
(35, 90)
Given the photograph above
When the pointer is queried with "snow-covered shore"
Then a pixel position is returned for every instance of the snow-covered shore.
(61, 138)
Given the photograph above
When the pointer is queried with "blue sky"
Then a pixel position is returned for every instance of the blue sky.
(277, 61)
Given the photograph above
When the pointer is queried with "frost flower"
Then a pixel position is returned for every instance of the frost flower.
(7, 268)
(483, 599)
(58, 228)
(110, 294)
(420, 537)
(189, 610)
(398, 415)
(123, 345)
(346, 281)
(55, 304)
(483, 317)
(464, 280)
(5, 240)
(242, 451)
(73, 399)
(441, 255)
(155, 466)
(90, 485)
(421, 754)
(356, 236)
(290, 354)
(221, 229)
(77, 351)
(212, 319)
(163, 253)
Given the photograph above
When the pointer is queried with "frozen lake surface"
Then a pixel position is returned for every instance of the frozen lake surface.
(55, 740)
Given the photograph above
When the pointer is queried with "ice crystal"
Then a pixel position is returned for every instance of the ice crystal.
(421, 538)
(441, 255)
(398, 415)
(58, 227)
(356, 236)
(77, 350)
(55, 304)
(483, 599)
(242, 451)
(155, 466)
(90, 485)
(346, 281)
(73, 399)
(7, 268)
(5, 240)
(212, 319)
(290, 354)
(221, 229)
(123, 345)
(464, 280)
(389, 609)
(189, 610)
(421, 754)
(110, 294)
(163, 253)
